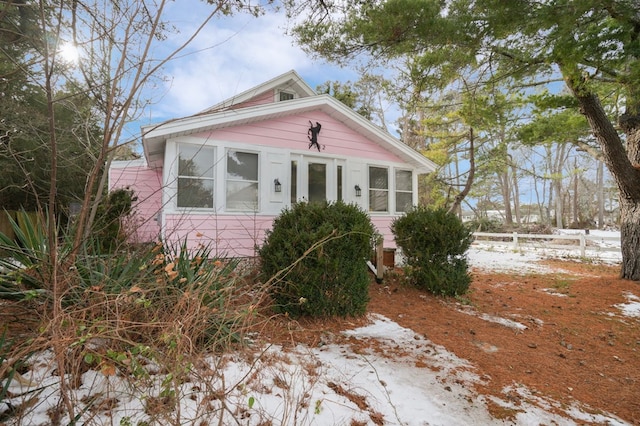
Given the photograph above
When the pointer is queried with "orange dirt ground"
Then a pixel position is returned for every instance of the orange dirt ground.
(577, 345)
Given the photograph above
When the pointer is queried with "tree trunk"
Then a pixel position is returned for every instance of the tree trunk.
(556, 173)
(630, 237)
(457, 202)
(516, 194)
(624, 165)
(630, 203)
(505, 190)
(558, 199)
(574, 206)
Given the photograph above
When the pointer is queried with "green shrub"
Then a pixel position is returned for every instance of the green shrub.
(316, 255)
(107, 229)
(435, 244)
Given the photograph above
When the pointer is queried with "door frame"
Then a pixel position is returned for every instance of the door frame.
(332, 164)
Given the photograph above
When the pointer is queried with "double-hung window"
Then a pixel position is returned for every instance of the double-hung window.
(195, 176)
(378, 189)
(242, 181)
(404, 190)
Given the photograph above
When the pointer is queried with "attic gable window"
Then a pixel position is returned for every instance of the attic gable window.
(286, 96)
(195, 176)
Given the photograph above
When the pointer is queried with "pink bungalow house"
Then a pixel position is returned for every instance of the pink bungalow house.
(220, 177)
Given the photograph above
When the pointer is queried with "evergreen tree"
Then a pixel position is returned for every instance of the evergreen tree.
(585, 43)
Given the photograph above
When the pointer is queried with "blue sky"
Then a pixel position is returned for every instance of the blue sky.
(233, 54)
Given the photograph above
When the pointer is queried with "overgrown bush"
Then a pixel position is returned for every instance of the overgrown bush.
(143, 292)
(5, 346)
(435, 244)
(315, 256)
(108, 231)
(129, 312)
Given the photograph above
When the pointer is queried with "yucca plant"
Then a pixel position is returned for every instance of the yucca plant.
(209, 281)
(23, 259)
(115, 272)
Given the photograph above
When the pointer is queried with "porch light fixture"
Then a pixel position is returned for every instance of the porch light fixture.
(358, 191)
(277, 185)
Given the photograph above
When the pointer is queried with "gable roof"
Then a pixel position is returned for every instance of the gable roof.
(221, 116)
(289, 81)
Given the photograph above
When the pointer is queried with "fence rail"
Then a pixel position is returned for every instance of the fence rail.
(583, 242)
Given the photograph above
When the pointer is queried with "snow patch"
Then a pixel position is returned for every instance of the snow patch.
(632, 307)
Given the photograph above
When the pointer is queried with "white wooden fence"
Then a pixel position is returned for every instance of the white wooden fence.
(548, 241)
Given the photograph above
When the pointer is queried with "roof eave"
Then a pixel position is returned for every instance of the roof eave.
(154, 137)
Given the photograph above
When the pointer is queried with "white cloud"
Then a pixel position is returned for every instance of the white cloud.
(232, 54)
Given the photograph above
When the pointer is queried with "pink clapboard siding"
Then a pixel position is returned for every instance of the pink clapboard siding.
(225, 235)
(383, 225)
(291, 133)
(261, 99)
(147, 186)
(236, 236)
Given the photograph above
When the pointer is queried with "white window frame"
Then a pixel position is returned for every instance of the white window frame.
(370, 189)
(402, 191)
(288, 92)
(212, 179)
(227, 180)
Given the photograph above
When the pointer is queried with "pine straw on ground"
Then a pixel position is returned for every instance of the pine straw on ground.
(577, 346)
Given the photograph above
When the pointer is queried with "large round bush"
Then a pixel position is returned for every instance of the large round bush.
(315, 256)
(435, 243)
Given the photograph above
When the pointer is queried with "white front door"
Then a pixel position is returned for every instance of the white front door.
(316, 179)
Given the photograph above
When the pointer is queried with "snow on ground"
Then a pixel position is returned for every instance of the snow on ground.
(632, 307)
(504, 257)
(325, 385)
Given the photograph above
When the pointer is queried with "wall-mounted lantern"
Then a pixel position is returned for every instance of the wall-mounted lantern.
(358, 191)
(277, 186)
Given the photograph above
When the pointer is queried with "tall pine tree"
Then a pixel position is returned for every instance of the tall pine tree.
(587, 43)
